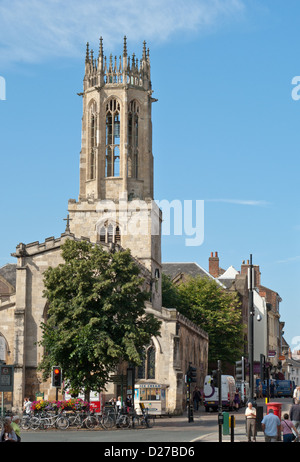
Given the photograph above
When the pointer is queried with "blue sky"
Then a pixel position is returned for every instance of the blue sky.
(226, 129)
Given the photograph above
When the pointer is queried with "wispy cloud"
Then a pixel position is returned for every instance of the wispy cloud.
(289, 260)
(34, 30)
(255, 203)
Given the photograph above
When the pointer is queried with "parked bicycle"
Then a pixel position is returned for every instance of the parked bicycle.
(46, 420)
(122, 419)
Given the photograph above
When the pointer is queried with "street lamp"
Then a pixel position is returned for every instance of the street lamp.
(251, 331)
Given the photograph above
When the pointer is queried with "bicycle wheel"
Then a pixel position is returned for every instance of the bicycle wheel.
(124, 422)
(25, 423)
(73, 420)
(62, 423)
(34, 423)
(90, 422)
(107, 422)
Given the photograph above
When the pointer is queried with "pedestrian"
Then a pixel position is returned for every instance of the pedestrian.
(196, 398)
(260, 390)
(289, 430)
(15, 423)
(250, 415)
(128, 403)
(27, 406)
(8, 434)
(119, 403)
(295, 414)
(271, 427)
(237, 399)
(296, 394)
(272, 389)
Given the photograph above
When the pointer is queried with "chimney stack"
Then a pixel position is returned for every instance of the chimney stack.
(257, 273)
(214, 264)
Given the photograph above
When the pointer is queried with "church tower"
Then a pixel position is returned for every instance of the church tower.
(115, 204)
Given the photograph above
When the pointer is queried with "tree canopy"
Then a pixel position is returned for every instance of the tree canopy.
(96, 315)
(215, 310)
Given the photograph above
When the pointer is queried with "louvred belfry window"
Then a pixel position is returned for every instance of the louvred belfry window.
(92, 141)
(133, 139)
(112, 156)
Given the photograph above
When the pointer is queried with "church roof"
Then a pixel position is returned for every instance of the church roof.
(8, 272)
(188, 268)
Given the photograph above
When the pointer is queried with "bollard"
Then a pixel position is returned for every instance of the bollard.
(225, 423)
(259, 417)
(232, 425)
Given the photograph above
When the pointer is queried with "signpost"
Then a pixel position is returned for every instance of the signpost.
(6, 377)
(6, 381)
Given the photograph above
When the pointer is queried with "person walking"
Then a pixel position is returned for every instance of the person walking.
(196, 398)
(237, 399)
(272, 389)
(250, 415)
(289, 430)
(271, 426)
(295, 414)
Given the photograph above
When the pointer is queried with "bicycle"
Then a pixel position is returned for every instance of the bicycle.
(76, 419)
(25, 422)
(122, 420)
(146, 420)
(47, 420)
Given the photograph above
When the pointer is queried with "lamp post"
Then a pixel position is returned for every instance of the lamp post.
(251, 331)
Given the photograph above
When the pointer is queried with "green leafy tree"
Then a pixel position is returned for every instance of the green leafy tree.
(170, 294)
(96, 315)
(216, 311)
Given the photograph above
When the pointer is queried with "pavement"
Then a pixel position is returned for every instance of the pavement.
(239, 433)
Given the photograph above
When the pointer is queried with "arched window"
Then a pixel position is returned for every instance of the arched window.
(92, 141)
(3, 348)
(112, 142)
(151, 363)
(110, 233)
(147, 369)
(133, 139)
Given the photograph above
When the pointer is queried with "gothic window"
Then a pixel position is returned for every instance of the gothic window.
(147, 369)
(133, 138)
(92, 141)
(110, 233)
(151, 363)
(3, 348)
(112, 141)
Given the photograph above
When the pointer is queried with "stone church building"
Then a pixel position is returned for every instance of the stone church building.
(115, 208)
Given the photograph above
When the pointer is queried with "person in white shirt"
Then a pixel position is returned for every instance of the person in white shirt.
(119, 403)
(250, 415)
(27, 406)
(296, 394)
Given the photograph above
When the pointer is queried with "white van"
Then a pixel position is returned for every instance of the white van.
(211, 393)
